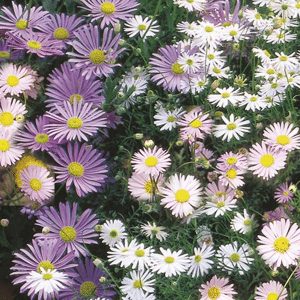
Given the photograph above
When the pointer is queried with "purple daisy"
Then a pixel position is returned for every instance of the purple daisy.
(36, 137)
(87, 284)
(19, 20)
(7, 53)
(32, 42)
(77, 121)
(72, 234)
(95, 55)
(111, 11)
(82, 166)
(68, 84)
(283, 194)
(47, 255)
(61, 27)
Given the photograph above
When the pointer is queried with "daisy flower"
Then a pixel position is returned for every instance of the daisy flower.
(284, 8)
(280, 36)
(86, 283)
(282, 136)
(230, 160)
(80, 165)
(73, 233)
(138, 284)
(225, 96)
(234, 33)
(190, 63)
(195, 85)
(154, 231)
(112, 231)
(218, 72)
(37, 183)
(14, 79)
(195, 5)
(271, 89)
(264, 55)
(217, 288)
(242, 223)
(283, 193)
(271, 290)
(220, 206)
(46, 284)
(231, 257)
(75, 121)
(170, 263)
(265, 160)
(151, 161)
(200, 262)
(144, 27)
(182, 195)
(280, 244)
(168, 119)
(234, 127)
(252, 102)
(216, 191)
(212, 58)
(285, 62)
(94, 54)
(232, 177)
(8, 53)
(111, 11)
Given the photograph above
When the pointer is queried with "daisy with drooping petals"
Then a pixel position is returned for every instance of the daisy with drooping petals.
(73, 233)
(14, 79)
(282, 136)
(112, 231)
(182, 195)
(280, 244)
(217, 288)
(271, 290)
(82, 166)
(152, 231)
(151, 161)
(266, 161)
(234, 127)
(37, 183)
(242, 223)
(94, 54)
(170, 263)
(283, 193)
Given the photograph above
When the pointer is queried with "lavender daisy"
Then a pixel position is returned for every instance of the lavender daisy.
(95, 54)
(8, 53)
(111, 11)
(73, 234)
(82, 166)
(75, 121)
(90, 282)
(283, 193)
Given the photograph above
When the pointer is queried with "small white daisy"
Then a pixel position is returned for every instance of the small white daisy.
(168, 119)
(220, 206)
(112, 231)
(252, 102)
(190, 63)
(225, 96)
(152, 231)
(191, 5)
(242, 223)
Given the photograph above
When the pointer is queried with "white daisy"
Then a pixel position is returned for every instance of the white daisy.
(285, 62)
(264, 55)
(189, 5)
(190, 63)
(212, 58)
(252, 102)
(112, 231)
(279, 36)
(168, 119)
(225, 96)
(152, 231)
(271, 88)
(219, 72)
(220, 206)
(234, 33)
(242, 223)
(187, 28)
(194, 85)
(284, 8)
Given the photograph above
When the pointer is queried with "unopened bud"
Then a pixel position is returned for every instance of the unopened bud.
(293, 188)
(20, 118)
(138, 136)
(117, 27)
(98, 262)
(215, 84)
(98, 228)
(46, 230)
(149, 144)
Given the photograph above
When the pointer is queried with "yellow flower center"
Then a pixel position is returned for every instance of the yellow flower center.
(247, 222)
(4, 54)
(231, 126)
(107, 8)
(267, 53)
(76, 169)
(42, 138)
(12, 80)
(283, 140)
(225, 95)
(169, 259)
(113, 233)
(177, 69)
(233, 33)
(35, 184)
(253, 99)
(76, 97)
(270, 71)
(234, 257)
(267, 160)
(272, 296)
(197, 258)
(171, 119)
(209, 29)
(182, 196)
(210, 56)
(47, 276)
(297, 5)
(138, 284)
(274, 85)
(46, 265)
(214, 293)
(68, 234)
(219, 194)
(74, 123)
(284, 6)
(281, 244)
(34, 45)
(190, 1)
(231, 160)
(140, 253)
(196, 124)
(283, 58)
(285, 193)
(4, 145)
(88, 289)
(190, 62)
(97, 57)
(142, 27)
(151, 161)
(61, 33)
(280, 35)
(220, 204)
(149, 187)
(231, 173)
(217, 71)
(257, 16)
(6, 118)
(21, 24)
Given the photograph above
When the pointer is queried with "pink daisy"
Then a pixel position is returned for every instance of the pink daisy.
(232, 177)
(280, 244)
(217, 288)
(283, 194)
(194, 125)
(271, 290)
(216, 191)
(230, 160)
(282, 136)
(265, 161)
(37, 183)
(151, 161)
(182, 195)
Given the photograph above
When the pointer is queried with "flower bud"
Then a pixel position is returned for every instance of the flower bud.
(138, 136)
(149, 143)
(46, 230)
(98, 228)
